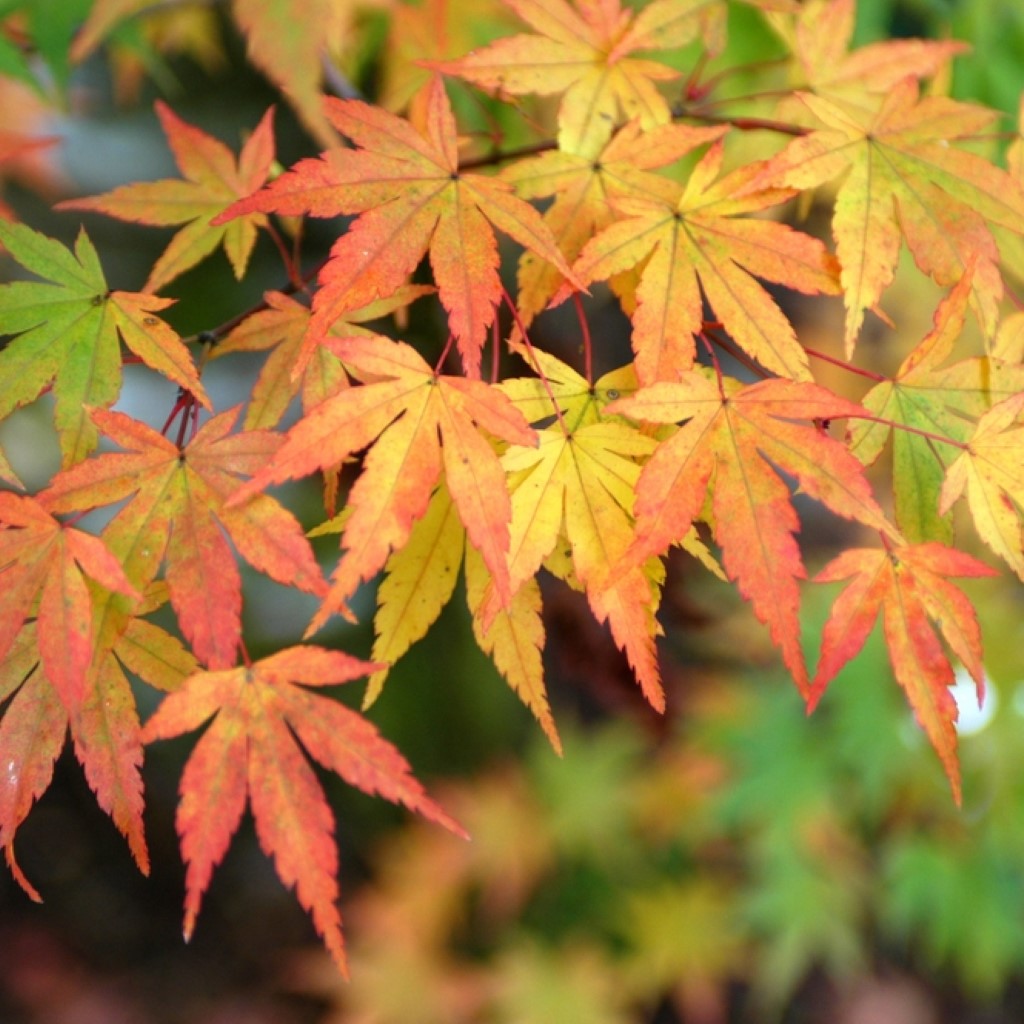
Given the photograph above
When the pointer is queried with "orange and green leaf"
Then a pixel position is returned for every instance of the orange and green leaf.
(178, 514)
(212, 180)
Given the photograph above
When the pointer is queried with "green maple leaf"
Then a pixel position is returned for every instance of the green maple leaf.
(67, 333)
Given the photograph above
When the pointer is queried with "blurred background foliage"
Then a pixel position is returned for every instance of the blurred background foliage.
(736, 861)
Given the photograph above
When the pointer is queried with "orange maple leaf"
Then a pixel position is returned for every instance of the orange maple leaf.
(902, 176)
(732, 438)
(906, 583)
(585, 54)
(585, 189)
(700, 243)
(104, 727)
(251, 752)
(42, 559)
(412, 198)
(212, 182)
(177, 511)
(32, 733)
(820, 38)
(416, 421)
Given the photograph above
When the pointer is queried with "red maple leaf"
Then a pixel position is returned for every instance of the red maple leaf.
(251, 752)
(732, 441)
(412, 198)
(177, 511)
(906, 583)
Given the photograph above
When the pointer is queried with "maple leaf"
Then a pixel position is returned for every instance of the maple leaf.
(903, 176)
(419, 580)
(907, 584)
(820, 38)
(212, 182)
(576, 487)
(416, 421)
(32, 733)
(700, 243)
(177, 511)
(991, 471)
(286, 41)
(104, 724)
(282, 326)
(412, 198)
(252, 751)
(41, 559)
(67, 333)
(586, 187)
(434, 30)
(585, 55)
(935, 403)
(14, 146)
(1011, 242)
(732, 438)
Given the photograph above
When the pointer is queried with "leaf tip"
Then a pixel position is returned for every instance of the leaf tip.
(19, 876)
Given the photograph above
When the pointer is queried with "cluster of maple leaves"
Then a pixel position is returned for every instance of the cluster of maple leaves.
(591, 480)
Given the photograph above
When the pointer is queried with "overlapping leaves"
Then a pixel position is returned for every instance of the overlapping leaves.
(589, 480)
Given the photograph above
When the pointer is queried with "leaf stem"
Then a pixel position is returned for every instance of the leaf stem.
(835, 361)
(588, 348)
(536, 362)
(928, 434)
(746, 124)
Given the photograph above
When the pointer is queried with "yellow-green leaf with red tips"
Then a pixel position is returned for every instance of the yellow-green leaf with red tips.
(901, 175)
(585, 54)
(577, 484)
(939, 406)
(991, 472)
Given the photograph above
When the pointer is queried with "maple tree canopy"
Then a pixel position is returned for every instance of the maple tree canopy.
(432, 366)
